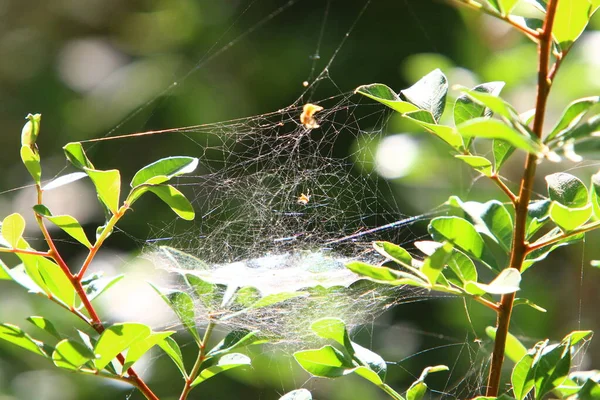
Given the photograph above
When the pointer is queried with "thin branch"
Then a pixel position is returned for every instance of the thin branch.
(565, 235)
(532, 34)
(24, 251)
(487, 303)
(520, 247)
(496, 179)
(199, 360)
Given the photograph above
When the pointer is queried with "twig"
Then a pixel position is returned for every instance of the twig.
(199, 360)
(585, 228)
(496, 179)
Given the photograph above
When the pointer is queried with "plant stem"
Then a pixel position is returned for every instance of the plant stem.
(94, 321)
(23, 251)
(565, 235)
(520, 246)
(496, 179)
(199, 360)
(393, 394)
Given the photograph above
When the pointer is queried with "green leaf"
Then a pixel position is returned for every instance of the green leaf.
(183, 306)
(491, 219)
(480, 164)
(236, 339)
(383, 94)
(462, 266)
(522, 377)
(495, 129)
(298, 394)
(492, 103)
(418, 389)
(67, 223)
(459, 232)
(502, 151)
(429, 93)
(325, 362)
(571, 117)
(514, 348)
(71, 355)
(204, 290)
(170, 346)
(76, 155)
(31, 160)
(506, 6)
(447, 133)
(63, 180)
(4, 272)
(334, 329)
(386, 275)
(567, 190)
(571, 19)
(465, 108)
(225, 363)
(582, 131)
(538, 213)
(140, 347)
(49, 277)
(13, 334)
(275, 298)
(31, 130)
(164, 169)
(373, 361)
(398, 255)
(174, 199)
(527, 302)
(506, 282)
(12, 229)
(94, 288)
(569, 219)
(552, 368)
(434, 264)
(45, 325)
(116, 339)
(108, 187)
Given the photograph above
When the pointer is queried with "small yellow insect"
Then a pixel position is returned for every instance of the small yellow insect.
(307, 117)
(303, 199)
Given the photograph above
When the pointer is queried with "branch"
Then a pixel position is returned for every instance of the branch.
(565, 235)
(201, 357)
(520, 247)
(496, 179)
(532, 34)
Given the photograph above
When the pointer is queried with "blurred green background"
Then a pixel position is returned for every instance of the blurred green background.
(104, 67)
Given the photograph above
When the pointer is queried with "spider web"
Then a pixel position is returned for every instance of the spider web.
(252, 226)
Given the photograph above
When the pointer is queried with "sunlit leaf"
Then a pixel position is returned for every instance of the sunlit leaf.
(571, 19)
(429, 93)
(167, 167)
(371, 360)
(140, 347)
(434, 264)
(183, 306)
(67, 223)
(170, 346)
(465, 108)
(13, 334)
(493, 103)
(116, 339)
(225, 363)
(236, 339)
(507, 281)
(459, 232)
(31, 130)
(527, 302)
(12, 229)
(69, 354)
(334, 329)
(567, 189)
(50, 277)
(384, 274)
(502, 151)
(108, 186)
(275, 298)
(96, 287)
(387, 96)
(480, 164)
(495, 129)
(76, 155)
(572, 116)
(174, 199)
(31, 160)
(63, 180)
(522, 377)
(567, 218)
(325, 362)
(45, 325)
(447, 133)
